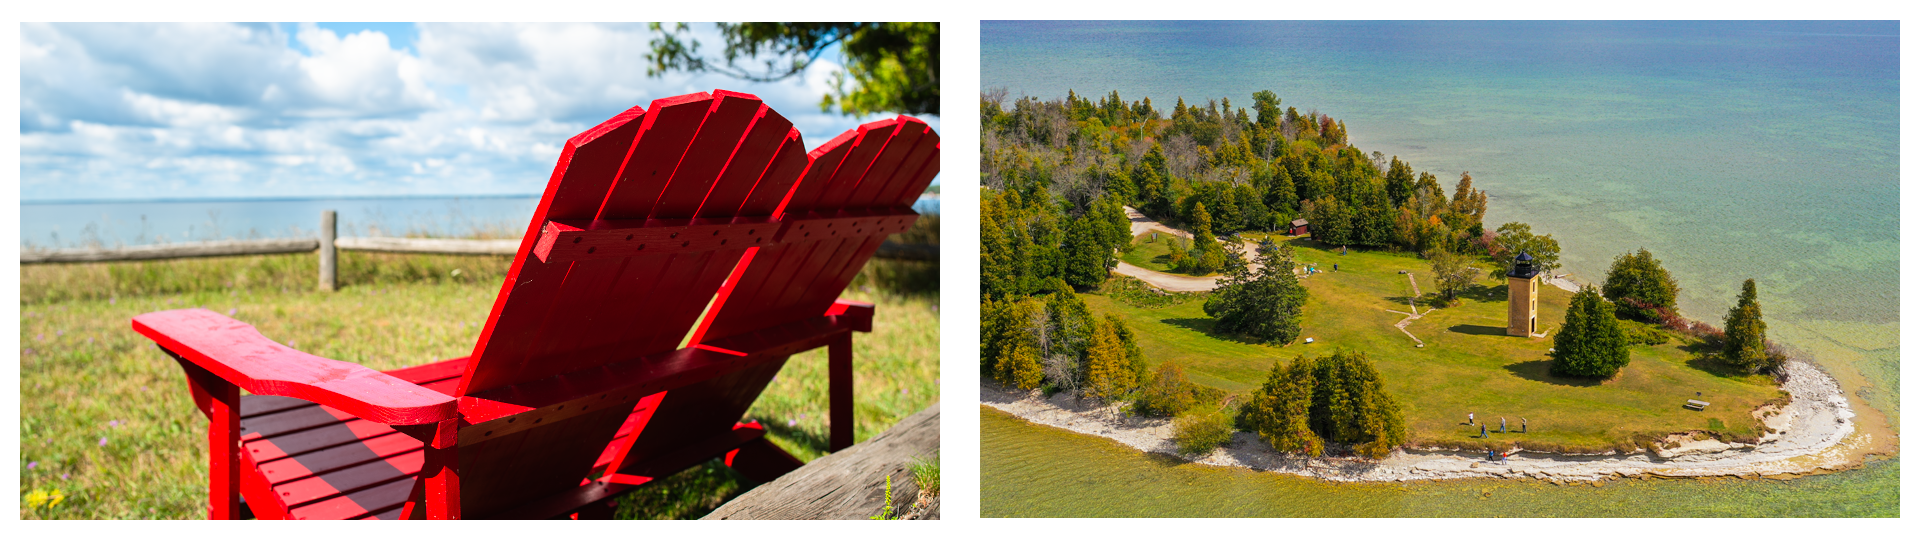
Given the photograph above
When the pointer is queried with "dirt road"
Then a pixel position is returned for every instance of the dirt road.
(1141, 224)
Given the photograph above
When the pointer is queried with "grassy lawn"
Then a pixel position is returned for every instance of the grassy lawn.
(107, 421)
(1151, 254)
(1468, 364)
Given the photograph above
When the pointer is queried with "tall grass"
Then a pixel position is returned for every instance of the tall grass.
(107, 421)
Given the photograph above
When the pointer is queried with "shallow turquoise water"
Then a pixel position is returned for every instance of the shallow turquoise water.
(1731, 150)
(1061, 473)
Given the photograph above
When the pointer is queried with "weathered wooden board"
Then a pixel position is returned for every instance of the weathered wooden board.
(172, 251)
(429, 245)
(851, 483)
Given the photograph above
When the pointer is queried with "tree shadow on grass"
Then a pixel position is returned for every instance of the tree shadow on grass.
(1712, 364)
(1205, 325)
(1478, 330)
(1542, 370)
(1484, 293)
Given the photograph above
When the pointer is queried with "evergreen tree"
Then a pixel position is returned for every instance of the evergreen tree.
(1266, 106)
(1118, 229)
(1253, 212)
(1136, 360)
(993, 322)
(1280, 195)
(1746, 342)
(1302, 174)
(1019, 366)
(1108, 375)
(1070, 325)
(1640, 287)
(1335, 411)
(1590, 343)
(1281, 411)
(1332, 221)
(1381, 423)
(1010, 333)
(998, 268)
(1207, 255)
(1266, 304)
(1399, 182)
(1088, 252)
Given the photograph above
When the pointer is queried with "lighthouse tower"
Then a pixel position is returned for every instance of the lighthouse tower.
(1523, 297)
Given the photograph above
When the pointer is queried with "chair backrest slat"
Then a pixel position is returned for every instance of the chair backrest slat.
(718, 158)
(896, 159)
(587, 166)
(857, 174)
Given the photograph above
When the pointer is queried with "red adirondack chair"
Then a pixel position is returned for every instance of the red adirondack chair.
(578, 388)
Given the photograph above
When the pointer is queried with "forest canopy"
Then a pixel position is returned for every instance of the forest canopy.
(1238, 170)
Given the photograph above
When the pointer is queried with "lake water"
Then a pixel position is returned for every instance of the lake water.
(130, 223)
(1765, 150)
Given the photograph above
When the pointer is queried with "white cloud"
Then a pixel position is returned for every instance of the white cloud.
(219, 110)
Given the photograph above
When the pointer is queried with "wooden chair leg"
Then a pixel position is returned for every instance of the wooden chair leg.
(840, 392)
(220, 400)
(442, 472)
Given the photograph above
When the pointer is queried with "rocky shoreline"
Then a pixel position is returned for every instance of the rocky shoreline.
(1811, 435)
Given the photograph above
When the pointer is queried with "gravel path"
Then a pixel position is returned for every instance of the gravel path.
(1141, 224)
(1814, 429)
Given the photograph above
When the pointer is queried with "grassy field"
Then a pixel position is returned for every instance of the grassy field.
(1150, 254)
(1468, 363)
(107, 422)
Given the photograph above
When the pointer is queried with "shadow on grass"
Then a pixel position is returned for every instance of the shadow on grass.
(1712, 364)
(815, 441)
(1542, 370)
(1479, 330)
(1484, 293)
(1205, 326)
(1199, 324)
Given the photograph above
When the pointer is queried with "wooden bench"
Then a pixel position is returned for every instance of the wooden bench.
(1697, 404)
(850, 484)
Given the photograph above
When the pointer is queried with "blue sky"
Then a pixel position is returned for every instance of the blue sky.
(132, 111)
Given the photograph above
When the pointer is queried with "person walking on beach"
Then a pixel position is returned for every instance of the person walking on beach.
(1503, 424)
(1489, 454)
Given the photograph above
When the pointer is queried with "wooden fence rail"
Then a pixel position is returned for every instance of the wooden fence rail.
(327, 242)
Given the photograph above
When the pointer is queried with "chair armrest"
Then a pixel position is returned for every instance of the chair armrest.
(236, 352)
(857, 315)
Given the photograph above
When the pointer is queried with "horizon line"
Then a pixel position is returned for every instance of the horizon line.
(277, 198)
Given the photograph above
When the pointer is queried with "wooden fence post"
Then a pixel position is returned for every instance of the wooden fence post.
(328, 229)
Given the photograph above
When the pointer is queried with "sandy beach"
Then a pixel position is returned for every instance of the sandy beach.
(1812, 435)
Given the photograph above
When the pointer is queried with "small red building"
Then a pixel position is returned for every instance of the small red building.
(1299, 227)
